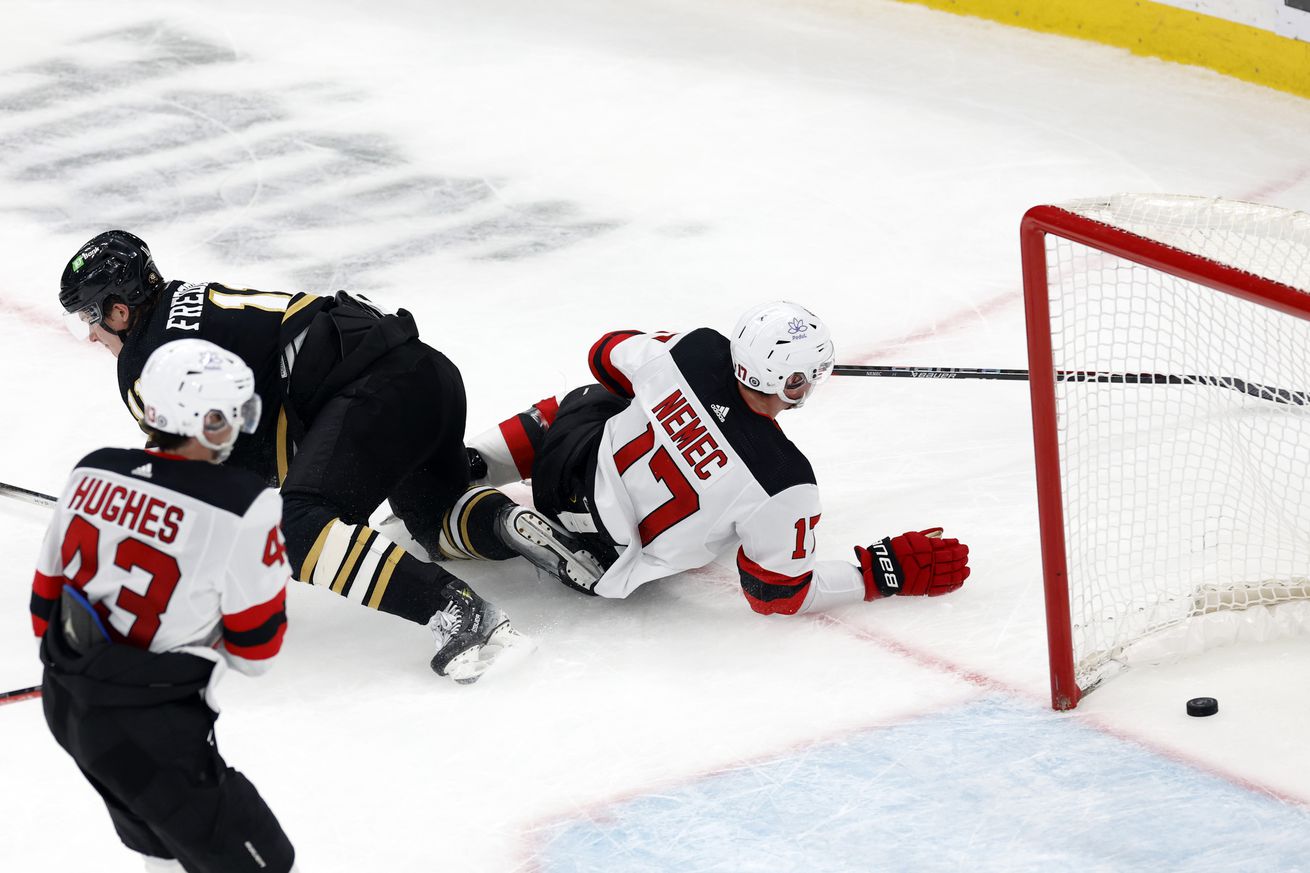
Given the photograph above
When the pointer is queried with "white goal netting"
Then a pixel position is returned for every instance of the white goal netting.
(1186, 506)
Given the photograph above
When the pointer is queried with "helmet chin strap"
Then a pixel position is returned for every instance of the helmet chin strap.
(134, 313)
(103, 324)
(221, 450)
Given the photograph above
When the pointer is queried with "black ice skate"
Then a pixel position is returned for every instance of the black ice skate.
(472, 635)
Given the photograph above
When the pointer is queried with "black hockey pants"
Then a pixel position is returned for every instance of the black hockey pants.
(137, 727)
(395, 433)
(564, 468)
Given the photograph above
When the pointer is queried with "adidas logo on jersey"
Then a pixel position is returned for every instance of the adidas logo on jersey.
(720, 412)
(143, 471)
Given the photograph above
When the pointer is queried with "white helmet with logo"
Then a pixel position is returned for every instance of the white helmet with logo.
(193, 388)
(782, 348)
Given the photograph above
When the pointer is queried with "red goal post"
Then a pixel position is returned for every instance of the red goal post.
(1120, 284)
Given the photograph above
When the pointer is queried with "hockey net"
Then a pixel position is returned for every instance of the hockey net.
(1169, 358)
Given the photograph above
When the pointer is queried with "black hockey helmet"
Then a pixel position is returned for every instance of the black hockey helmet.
(112, 264)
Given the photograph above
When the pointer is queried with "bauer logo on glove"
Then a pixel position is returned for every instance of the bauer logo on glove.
(913, 563)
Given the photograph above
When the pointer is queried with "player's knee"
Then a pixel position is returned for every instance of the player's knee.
(304, 520)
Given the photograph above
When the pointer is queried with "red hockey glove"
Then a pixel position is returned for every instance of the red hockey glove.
(913, 563)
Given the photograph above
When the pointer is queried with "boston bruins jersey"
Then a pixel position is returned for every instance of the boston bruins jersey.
(172, 553)
(689, 470)
(259, 326)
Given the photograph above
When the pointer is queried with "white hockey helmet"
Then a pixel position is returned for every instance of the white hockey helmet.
(193, 388)
(782, 348)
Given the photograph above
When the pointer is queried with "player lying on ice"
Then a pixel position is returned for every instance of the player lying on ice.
(358, 410)
(675, 456)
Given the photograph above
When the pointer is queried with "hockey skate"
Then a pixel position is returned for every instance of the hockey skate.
(551, 549)
(472, 635)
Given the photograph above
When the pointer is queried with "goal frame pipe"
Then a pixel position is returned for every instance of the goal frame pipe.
(1039, 222)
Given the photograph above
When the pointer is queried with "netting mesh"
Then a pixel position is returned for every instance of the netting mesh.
(1179, 499)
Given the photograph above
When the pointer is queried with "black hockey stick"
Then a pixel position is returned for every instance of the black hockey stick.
(19, 694)
(1254, 389)
(34, 497)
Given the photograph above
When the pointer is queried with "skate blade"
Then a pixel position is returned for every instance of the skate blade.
(504, 650)
(580, 567)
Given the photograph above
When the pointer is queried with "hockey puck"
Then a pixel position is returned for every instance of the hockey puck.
(1202, 706)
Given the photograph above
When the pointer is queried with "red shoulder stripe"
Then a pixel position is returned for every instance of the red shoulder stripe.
(603, 368)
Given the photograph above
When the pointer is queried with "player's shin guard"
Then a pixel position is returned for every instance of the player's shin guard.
(358, 563)
(509, 448)
(469, 529)
(363, 566)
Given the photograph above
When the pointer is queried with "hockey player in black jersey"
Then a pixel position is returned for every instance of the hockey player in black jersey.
(159, 571)
(358, 410)
(676, 455)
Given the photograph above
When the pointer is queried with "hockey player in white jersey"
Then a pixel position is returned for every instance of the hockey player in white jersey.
(674, 457)
(157, 572)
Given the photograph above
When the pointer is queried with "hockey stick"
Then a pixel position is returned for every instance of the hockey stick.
(1254, 389)
(39, 499)
(19, 694)
(34, 497)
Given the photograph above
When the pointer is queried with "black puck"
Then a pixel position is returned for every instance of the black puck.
(1202, 706)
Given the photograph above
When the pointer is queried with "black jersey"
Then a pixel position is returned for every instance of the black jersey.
(258, 326)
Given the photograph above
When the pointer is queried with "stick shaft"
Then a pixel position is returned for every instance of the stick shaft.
(19, 694)
(34, 497)
(39, 499)
(1254, 389)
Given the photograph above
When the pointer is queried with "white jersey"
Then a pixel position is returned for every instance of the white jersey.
(689, 470)
(172, 554)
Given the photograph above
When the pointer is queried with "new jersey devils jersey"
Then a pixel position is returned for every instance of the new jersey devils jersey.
(689, 469)
(171, 552)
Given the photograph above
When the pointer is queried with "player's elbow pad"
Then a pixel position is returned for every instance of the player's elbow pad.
(771, 593)
(255, 634)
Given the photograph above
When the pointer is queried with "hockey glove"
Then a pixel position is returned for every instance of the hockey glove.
(913, 563)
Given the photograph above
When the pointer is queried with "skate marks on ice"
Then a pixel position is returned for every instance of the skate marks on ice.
(151, 126)
(993, 785)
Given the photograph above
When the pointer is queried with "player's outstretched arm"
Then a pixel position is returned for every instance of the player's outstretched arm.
(915, 563)
(776, 562)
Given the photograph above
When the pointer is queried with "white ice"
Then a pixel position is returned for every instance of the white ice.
(525, 176)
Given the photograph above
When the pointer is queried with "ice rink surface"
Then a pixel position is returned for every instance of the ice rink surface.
(527, 176)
